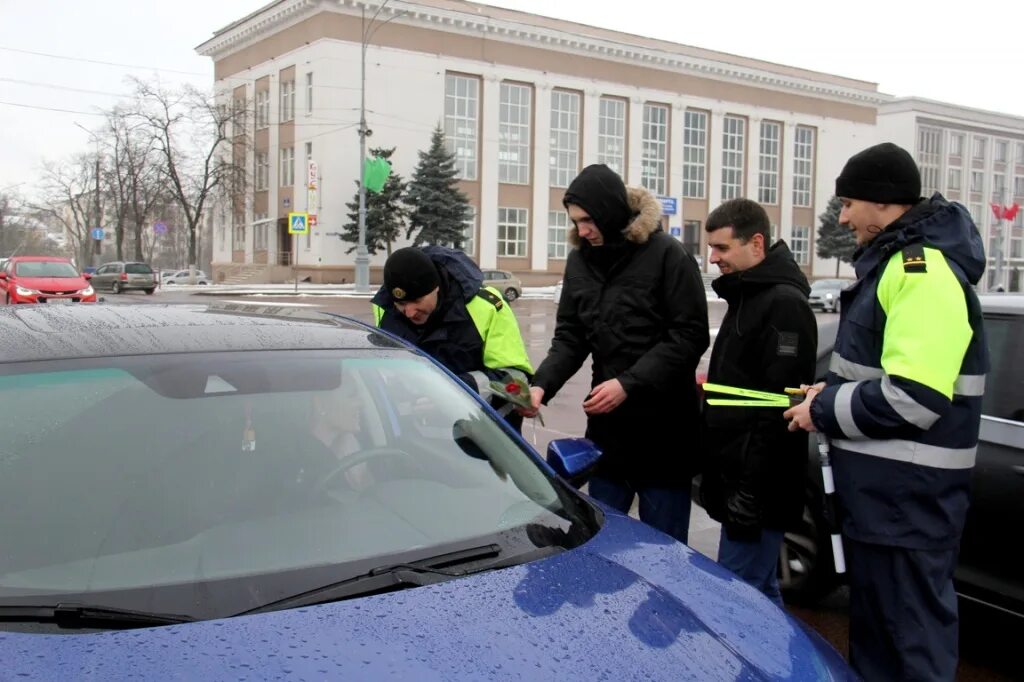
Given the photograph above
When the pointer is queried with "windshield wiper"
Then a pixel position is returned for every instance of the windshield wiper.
(73, 615)
(387, 578)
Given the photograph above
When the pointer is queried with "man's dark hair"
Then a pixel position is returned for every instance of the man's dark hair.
(744, 216)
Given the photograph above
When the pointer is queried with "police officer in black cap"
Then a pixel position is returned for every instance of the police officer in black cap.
(434, 298)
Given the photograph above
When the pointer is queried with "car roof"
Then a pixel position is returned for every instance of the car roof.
(40, 332)
(1012, 304)
(37, 259)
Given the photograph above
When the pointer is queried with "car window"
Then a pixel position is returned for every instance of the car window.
(45, 269)
(138, 269)
(248, 465)
(1004, 385)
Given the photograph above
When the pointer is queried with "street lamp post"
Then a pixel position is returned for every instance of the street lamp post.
(362, 255)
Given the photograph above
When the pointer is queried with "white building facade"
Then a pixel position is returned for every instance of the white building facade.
(973, 157)
(526, 102)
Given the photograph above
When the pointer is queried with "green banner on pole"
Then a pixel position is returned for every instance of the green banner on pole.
(375, 173)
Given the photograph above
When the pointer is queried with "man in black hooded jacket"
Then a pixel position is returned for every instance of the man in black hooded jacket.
(753, 479)
(633, 300)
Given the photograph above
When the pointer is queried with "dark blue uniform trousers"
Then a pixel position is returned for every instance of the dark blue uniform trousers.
(903, 613)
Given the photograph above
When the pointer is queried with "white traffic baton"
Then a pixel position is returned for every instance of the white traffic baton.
(829, 503)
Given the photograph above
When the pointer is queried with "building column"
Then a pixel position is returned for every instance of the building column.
(752, 157)
(541, 178)
(590, 125)
(488, 171)
(715, 127)
(635, 142)
(786, 181)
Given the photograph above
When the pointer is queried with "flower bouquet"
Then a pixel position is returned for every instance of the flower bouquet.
(515, 391)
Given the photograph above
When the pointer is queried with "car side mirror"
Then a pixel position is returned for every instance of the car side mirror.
(573, 458)
(87, 275)
(3, 275)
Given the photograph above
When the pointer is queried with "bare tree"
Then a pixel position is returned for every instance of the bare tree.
(193, 136)
(134, 178)
(72, 202)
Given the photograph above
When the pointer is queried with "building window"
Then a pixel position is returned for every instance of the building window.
(695, 140)
(733, 134)
(956, 145)
(979, 148)
(1002, 151)
(998, 188)
(803, 166)
(654, 153)
(1018, 187)
(929, 158)
(1020, 153)
(954, 179)
(238, 236)
(262, 171)
(558, 234)
(262, 109)
(512, 229)
(977, 181)
(800, 244)
(461, 120)
(309, 92)
(977, 215)
(309, 152)
(514, 133)
(611, 134)
(260, 232)
(768, 177)
(287, 175)
(469, 233)
(565, 137)
(287, 101)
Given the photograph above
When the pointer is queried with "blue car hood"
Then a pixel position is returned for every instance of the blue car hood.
(629, 604)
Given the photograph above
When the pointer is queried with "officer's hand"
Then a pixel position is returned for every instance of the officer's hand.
(799, 416)
(536, 395)
(605, 397)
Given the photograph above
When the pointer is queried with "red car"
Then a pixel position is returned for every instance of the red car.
(44, 279)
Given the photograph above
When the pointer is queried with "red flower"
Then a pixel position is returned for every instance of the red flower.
(512, 388)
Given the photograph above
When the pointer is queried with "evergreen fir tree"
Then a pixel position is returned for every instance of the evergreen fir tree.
(439, 210)
(386, 214)
(835, 240)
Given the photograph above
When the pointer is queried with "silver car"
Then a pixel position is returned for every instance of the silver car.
(825, 294)
(504, 281)
(120, 277)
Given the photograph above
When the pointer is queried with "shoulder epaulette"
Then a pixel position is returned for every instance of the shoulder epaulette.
(913, 258)
(491, 298)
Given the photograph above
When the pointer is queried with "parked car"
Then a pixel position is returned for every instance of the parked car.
(44, 279)
(504, 281)
(183, 277)
(825, 294)
(241, 523)
(120, 277)
(991, 555)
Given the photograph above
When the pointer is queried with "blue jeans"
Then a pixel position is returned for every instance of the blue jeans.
(755, 562)
(667, 509)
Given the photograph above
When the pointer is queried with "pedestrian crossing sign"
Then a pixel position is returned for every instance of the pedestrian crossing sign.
(298, 223)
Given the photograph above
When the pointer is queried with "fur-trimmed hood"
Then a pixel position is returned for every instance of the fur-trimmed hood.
(646, 217)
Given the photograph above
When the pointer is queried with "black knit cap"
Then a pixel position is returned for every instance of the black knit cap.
(600, 192)
(883, 174)
(410, 274)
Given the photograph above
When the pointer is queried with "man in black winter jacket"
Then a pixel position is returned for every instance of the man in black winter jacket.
(753, 479)
(633, 300)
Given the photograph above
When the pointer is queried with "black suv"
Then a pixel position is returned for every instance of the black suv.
(992, 549)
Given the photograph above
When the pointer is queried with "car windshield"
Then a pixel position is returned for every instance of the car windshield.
(138, 269)
(45, 269)
(140, 482)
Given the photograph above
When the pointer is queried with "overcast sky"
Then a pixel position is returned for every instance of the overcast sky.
(955, 54)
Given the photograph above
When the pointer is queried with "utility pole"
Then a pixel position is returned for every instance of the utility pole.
(98, 247)
(362, 255)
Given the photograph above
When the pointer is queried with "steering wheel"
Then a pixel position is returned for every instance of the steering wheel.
(359, 458)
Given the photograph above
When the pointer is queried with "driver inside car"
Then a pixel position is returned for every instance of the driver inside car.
(335, 422)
